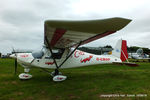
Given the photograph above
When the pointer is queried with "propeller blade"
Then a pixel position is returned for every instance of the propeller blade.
(15, 62)
(14, 52)
(16, 66)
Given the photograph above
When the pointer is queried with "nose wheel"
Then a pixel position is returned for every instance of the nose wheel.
(25, 75)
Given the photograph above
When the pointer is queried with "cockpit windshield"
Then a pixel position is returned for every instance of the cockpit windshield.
(57, 53)
(37, 54)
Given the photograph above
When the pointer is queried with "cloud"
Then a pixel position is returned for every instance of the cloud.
(22, 21)
(20, 18)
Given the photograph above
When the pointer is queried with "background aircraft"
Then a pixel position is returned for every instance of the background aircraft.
(139, 54)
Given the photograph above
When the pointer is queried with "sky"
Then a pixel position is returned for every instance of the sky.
(22, 21)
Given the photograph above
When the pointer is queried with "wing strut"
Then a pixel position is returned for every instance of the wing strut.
(49, 47)
(57, 67)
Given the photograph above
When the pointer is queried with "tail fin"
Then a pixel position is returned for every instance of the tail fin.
(120, 50)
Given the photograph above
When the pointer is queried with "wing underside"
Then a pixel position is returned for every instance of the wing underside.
(64, 34)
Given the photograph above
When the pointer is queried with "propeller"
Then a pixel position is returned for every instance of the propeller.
(14, 55)
(16, 65)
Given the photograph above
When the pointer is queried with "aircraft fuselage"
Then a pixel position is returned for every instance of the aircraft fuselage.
(78, 59)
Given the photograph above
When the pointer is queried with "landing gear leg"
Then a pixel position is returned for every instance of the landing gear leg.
(56, 72)
(26, 70)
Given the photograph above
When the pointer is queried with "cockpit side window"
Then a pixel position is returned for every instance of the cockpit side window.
(57, 54)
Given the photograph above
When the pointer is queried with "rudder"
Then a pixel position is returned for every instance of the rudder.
(120, 50)
(124, 53)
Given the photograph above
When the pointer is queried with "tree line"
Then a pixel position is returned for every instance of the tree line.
(107, 48)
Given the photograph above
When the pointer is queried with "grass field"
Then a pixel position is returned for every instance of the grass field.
(85, 83)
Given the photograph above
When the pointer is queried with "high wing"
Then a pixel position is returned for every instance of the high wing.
(64, 33)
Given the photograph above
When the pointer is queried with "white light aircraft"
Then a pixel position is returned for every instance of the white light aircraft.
(139, 54)
(62, 38)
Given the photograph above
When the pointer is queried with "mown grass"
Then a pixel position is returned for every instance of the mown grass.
(84, 83)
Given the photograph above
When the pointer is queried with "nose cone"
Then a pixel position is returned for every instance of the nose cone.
(13, 56)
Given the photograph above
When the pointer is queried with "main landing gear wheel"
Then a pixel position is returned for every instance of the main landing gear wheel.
(25, 76)
(57, 76)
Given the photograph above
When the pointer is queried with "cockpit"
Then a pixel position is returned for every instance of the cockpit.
(57, 53)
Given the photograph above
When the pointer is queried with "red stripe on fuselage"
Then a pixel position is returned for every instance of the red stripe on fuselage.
(57, 35)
